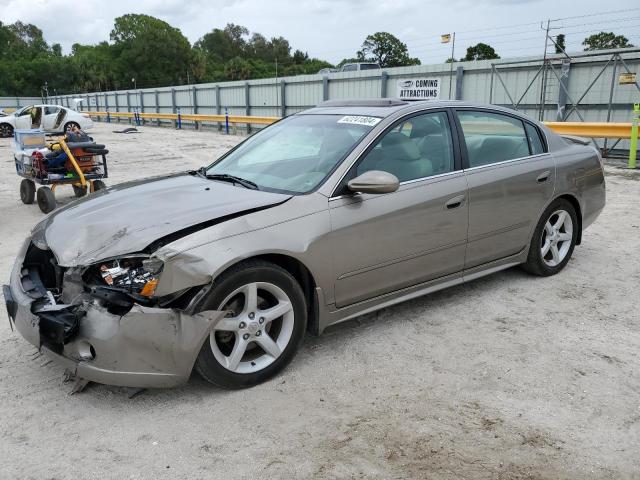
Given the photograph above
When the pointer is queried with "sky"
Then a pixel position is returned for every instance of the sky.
(335, 29)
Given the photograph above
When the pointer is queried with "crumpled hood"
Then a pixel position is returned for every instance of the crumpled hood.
(128, 217)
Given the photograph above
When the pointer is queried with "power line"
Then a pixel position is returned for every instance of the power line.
(611, 12)
(514, 35)
(617, 20)
(509, 41)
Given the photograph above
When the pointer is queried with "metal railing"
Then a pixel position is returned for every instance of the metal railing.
(194, 117)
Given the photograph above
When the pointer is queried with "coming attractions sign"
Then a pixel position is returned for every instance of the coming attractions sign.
(419, 89)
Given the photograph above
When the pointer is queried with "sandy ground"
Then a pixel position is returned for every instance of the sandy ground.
(508, 377)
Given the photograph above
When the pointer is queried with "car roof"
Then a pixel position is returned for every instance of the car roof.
(42, 105)
(384, 107)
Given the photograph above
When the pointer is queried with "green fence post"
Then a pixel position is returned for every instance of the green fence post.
(633, 147)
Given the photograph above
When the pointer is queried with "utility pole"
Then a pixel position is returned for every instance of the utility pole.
(543, 89)
(190, 91)
(453, 51)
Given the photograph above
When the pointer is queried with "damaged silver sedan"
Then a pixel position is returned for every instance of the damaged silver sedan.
(326, 215)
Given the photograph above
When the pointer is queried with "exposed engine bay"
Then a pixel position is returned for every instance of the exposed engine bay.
(62, 295)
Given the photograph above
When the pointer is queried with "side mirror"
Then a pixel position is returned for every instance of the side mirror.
(374, 181)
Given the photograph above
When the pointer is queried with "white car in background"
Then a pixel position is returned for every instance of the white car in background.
(50, 118)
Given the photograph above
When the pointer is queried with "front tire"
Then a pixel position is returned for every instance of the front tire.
(262, 332)
(553, 240)
(46, 199)
(6, 130)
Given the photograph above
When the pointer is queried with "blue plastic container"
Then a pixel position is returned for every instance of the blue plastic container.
(29, 139)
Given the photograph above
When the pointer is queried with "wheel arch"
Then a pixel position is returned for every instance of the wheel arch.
(303, 276)
(576, 205)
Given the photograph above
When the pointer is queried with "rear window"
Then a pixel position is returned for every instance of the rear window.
(369, 66)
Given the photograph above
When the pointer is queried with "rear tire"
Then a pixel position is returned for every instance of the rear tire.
(46, 199)
(553, 240)
(70, 125)
(262, 333)
(27, 191)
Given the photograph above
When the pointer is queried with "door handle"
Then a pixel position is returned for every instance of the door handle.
(543, 177)
(454, 202)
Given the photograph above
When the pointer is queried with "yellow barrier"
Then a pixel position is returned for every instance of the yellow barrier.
(591, 129)
(579, 129)
(190, 117)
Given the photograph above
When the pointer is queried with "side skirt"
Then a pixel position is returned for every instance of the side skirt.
(329, 315)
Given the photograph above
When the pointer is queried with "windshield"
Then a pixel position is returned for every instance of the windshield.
(296, 154)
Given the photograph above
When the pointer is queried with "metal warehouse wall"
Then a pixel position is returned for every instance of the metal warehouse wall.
(13, 103)
(531, 85)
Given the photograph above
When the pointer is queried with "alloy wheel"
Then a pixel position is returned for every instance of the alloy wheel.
(557, 237)
(256, 330)
(6, 131)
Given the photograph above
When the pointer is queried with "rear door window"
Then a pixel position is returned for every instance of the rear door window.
(51, 110)
(492, 137)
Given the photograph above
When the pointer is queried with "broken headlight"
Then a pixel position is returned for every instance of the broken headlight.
(135, 275)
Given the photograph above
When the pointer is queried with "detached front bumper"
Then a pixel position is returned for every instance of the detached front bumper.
(147, 347)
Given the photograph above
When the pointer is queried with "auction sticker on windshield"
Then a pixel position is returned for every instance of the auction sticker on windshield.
(360, 120)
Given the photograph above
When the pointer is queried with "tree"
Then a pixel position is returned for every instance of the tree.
(28, 39)
(480, 51)
(299, 57)
(221, 45)
(235, 54)
(279, 48)
(268, 51)
(450, 60)
(604, 41)
(94, 67)
(237, 69)
(386, 50)
(149, 50)
(560, 43)
(27, 61)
